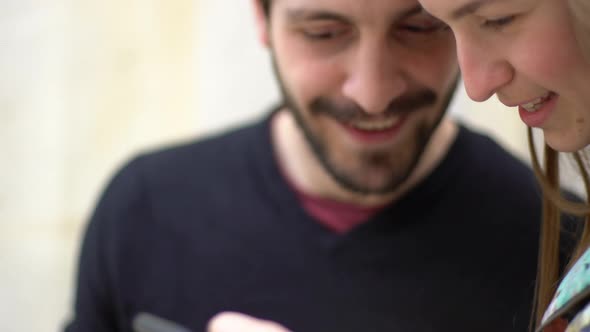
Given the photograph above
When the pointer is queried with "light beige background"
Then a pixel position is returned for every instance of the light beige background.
(84, 84)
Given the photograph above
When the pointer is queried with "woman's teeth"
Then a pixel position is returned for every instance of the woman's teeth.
(536, 104)
(375, 125)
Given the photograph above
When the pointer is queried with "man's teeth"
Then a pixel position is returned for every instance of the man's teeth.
(536, 104)
(375, 125)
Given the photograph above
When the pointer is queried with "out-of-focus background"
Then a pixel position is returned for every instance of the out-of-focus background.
(85, 84)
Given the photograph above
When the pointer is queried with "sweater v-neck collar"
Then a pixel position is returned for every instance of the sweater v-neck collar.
(285, 198)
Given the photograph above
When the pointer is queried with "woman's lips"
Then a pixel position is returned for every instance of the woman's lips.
(537, 114)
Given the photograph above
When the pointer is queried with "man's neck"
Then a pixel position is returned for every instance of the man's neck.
(303, 169)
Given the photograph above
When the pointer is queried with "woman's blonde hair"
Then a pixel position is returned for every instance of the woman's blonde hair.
(553, 202)
(553, 205)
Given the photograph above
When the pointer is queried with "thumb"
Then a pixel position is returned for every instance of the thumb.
(236, 322)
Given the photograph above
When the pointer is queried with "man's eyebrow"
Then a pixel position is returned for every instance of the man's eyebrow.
(410, 12)
(301, 15)
(469, 8)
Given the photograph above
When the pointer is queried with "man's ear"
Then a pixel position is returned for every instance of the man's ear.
(261, 22)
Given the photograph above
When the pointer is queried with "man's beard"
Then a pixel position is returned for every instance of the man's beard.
(350, 111)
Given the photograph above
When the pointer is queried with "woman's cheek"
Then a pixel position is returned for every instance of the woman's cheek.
(559, 48)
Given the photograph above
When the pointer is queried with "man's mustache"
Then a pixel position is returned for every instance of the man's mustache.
(352, 111)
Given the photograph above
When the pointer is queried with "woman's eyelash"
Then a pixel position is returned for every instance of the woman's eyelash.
(418, 29)
(499, 23)
(426, 29)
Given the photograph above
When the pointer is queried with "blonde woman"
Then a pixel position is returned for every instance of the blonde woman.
(535, 55)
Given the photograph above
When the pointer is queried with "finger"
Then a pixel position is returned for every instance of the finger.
(236, 322)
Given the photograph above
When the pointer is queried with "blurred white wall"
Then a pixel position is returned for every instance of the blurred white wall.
(86, 83)
(32, 110)
(235, 80)
(129, 85)
(83, 85)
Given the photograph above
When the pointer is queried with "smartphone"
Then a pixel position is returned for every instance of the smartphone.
(144, 322)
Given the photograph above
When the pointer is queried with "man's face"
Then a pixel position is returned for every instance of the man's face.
(367, 81)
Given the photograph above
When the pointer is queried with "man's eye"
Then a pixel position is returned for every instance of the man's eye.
(499, 23)
(320, 35)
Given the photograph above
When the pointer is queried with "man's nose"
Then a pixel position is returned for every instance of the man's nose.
(484, 71)
(374, 78)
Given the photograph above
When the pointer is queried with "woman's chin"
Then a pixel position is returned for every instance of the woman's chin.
(566, 141)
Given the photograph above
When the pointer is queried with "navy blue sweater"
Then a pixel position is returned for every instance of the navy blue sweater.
(209, 226)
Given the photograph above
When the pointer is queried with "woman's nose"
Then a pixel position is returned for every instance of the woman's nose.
(484, 70)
